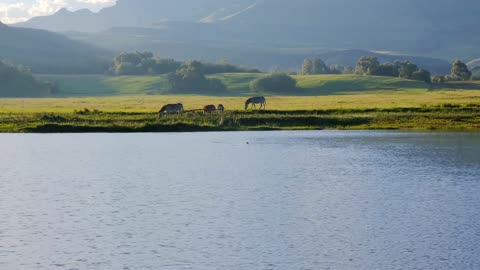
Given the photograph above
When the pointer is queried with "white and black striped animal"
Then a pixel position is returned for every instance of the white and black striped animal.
(171, 108)
(256, 100)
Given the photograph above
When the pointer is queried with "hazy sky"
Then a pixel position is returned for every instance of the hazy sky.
(12, 11)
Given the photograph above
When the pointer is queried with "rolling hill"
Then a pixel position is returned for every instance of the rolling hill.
(238, 84)
(474, 64)
(48, 52)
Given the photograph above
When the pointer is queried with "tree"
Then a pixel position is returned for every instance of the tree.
(407, 69)
(422, 75)
(132, 58)
(388, 69)
(126, 68)
(336, 69)
(438, 79)
(191, 78)
(460, 71)
(165, 66)
(274, 83)
(314, 66)
(367, 66)
(227, 68)
(319, 67)
(307, 67)
(136, 63)
(348, 70)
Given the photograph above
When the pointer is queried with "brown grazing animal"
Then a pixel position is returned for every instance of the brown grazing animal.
(209, 109)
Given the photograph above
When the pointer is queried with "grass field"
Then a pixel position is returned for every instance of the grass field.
(451, 117)
(130, 104)
(413, 109)
(361, 100)
(237, 84)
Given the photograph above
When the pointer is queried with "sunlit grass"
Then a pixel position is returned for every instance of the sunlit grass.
(143, 103)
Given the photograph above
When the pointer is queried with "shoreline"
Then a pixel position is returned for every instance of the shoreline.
(434, 118)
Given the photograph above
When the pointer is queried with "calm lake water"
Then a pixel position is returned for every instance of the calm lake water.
(287, 200)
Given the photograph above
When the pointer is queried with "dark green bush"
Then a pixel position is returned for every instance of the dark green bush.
(274, 83)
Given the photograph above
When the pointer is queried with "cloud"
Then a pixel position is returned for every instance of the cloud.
(22, 11)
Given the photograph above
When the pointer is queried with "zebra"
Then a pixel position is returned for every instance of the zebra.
(171, 108)
(256, 100)
(209, 109)
(220, 108)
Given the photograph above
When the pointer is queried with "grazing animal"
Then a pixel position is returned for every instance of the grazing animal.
(220, 108)
(209, 109)
(171, 108)
(256, 100)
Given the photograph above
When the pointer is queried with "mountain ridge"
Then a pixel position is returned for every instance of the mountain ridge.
(446, 30)
(48, 52)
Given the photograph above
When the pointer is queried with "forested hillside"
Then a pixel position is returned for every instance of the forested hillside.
(48, 52)
(18, 82)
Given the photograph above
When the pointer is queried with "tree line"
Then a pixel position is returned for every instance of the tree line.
(145, 63)
(406, 70)
(318, 66)
(371, 66)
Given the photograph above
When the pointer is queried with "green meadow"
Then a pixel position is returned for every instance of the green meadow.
(237, 84)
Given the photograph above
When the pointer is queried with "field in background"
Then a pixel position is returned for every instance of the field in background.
(237, 84)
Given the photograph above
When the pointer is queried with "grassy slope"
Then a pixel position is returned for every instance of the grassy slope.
(98, 85)
(331, 84)
(238, 84)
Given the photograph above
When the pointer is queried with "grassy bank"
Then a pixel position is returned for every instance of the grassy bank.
(443, 117)
(336, 102)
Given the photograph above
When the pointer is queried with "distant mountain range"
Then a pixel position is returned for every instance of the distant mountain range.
(444, 28)
(169, 43)
(272, 34)
(48, 52)
(140, 13)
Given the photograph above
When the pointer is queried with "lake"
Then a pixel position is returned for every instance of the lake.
(354, 200)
